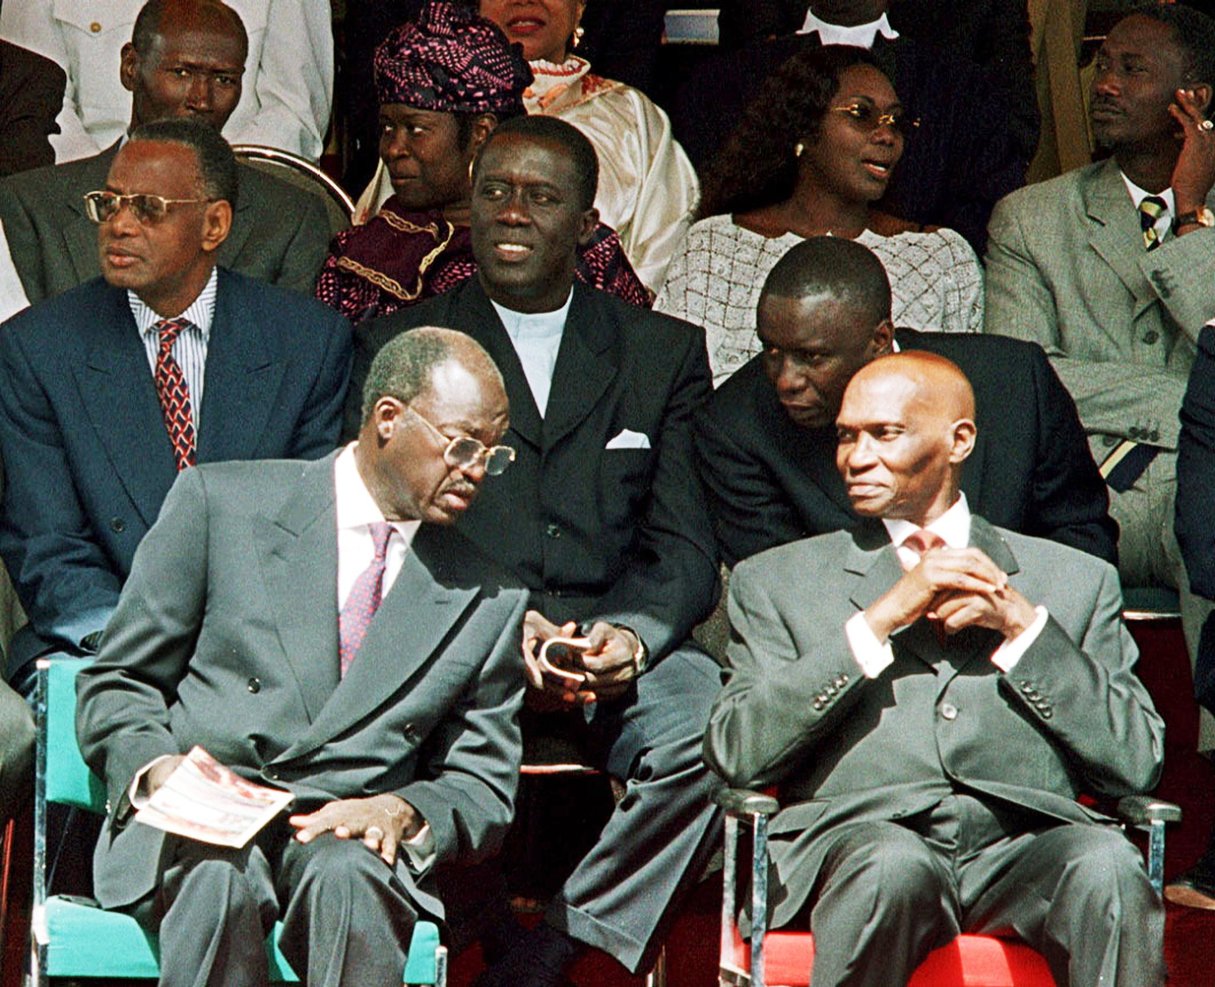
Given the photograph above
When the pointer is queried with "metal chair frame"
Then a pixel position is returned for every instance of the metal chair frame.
(55, 719)
(744, 807)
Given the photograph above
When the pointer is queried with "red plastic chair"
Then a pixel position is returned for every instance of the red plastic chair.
(786, 958)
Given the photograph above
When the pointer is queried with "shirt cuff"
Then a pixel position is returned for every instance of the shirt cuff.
(138, 793)
(420, 849)
(1006, 656)
(872, 655)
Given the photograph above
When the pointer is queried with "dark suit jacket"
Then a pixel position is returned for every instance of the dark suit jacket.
(87, 458)
(279, 233)
(1195, 522)
(31, 96)
(596, 529)
(972, 148)
(226, 636)
(797, 711)
(770, 482)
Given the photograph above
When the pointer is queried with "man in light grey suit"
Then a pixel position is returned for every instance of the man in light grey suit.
(1110, 268)
(931, 712)
(185, 60)
(252, 625)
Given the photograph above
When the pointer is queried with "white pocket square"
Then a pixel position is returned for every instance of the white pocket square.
(628, 439)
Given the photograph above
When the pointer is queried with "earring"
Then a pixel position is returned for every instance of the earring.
(579, 31)
(799, 149)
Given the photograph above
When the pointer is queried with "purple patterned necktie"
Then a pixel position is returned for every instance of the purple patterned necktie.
(364, 599)
(174, 393)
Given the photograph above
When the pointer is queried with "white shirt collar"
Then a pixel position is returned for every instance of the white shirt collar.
(953, 525)
(356, 508)
(1139, 194)
(201, 311)
(858, 35)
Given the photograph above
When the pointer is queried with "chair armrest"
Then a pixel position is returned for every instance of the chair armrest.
(744, 801)
(1143, 810)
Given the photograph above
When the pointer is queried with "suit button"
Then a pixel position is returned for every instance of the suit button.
(1109, 441)
(818, 705)
(552, 531)
(271, 774)
(1154, 435)
(1135, 432)
(1026, 686)
(831, 689)
(411, 732)
(95, 27)
(1151, 336)
(118, 525)
(949, 711)
(1047, 713)
(254, 685)
(841, 681)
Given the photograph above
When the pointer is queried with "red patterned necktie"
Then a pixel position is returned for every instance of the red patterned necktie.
(174, 393)
(364, 599)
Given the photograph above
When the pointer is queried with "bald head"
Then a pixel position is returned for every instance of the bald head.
(906, 426)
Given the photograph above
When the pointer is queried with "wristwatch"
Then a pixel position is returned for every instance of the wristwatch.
(1202, 216)
(641, 654)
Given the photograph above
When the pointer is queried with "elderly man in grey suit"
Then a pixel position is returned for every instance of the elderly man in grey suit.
(931, 703)
(317, 627)
(185, 60)
(1110, 268)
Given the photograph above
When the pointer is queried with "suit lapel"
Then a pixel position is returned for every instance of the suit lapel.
(79, 232)
(242, 380)
(473, 313)
(585, 368)
(1116, 234)
(119, 397)
(424, 603)
(297, 551)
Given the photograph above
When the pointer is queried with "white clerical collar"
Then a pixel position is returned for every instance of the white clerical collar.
(953, 526)
(533, 325)
(858, 35)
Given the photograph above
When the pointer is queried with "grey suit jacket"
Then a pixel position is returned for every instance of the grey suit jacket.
(1067, 268)
(797, 712)
(226, 636)
(279, 233)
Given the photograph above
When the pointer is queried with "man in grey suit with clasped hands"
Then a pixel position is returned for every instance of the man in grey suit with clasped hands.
(930, 704)
(318, 627)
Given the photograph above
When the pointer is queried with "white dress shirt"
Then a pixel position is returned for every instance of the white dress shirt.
(190, 346)
(1164, 222)
(874, 656)
(858, 35)
(536, 337)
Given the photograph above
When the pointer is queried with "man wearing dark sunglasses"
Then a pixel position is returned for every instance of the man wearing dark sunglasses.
(185, 61)
(113, 388)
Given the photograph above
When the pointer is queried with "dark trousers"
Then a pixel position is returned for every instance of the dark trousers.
(347, 918)
(889, 893)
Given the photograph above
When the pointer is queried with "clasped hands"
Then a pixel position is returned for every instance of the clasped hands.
(606, 662)
(959, 587)
(382, 822)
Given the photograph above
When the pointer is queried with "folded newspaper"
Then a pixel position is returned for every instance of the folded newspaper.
(204, 800)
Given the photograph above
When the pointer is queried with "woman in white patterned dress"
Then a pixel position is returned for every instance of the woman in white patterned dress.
(809, 156)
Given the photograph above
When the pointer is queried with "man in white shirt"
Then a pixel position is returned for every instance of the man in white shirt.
(318, 627)
(931, 704)
(288, 86)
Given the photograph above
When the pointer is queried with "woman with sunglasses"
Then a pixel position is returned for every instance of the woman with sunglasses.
(809, 156)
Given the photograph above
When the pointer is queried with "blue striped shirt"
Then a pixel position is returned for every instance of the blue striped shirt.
(190, 347)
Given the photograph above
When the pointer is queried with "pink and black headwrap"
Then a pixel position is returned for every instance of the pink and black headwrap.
(452, 61)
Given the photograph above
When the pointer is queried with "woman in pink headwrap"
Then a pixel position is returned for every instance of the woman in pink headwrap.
(443, 84)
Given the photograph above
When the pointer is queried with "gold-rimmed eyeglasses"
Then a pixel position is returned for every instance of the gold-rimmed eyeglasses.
(868, 118)
(102, 206)
(464, 452)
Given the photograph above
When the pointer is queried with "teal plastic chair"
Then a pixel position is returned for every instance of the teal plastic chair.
(70, 937)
